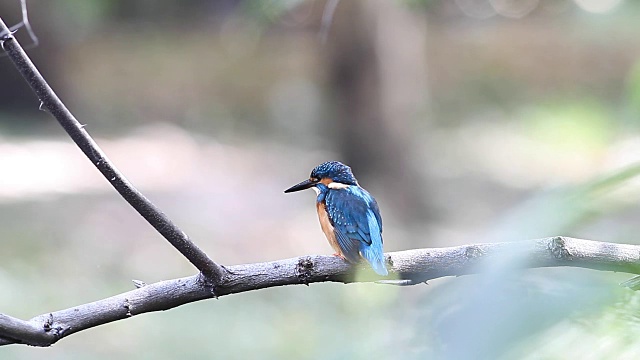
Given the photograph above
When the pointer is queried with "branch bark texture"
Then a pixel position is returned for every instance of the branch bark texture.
(51, 102)
(406, 267)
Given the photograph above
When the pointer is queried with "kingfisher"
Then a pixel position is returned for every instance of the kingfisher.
(349, 215)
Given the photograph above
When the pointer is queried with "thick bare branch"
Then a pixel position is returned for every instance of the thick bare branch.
(408, 267)
(81, 137)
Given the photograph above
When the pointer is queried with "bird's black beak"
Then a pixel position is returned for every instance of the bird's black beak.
(301, 186)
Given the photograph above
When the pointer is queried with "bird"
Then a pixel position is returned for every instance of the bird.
(349, 216)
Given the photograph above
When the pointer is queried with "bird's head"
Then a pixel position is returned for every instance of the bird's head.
(330, 173)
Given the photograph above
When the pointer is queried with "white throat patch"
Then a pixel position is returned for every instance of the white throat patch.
(316, 190)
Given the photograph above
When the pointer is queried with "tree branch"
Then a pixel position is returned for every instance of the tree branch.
(81, 137)
(408, 267)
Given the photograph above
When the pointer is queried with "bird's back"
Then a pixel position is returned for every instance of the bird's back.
(355, 217)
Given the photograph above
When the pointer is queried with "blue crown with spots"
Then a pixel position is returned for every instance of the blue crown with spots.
(335, 171)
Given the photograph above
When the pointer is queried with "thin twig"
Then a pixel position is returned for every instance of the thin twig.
(23, 23)
(27, 25)
(327, 19)
(407, 267)
(81, 137)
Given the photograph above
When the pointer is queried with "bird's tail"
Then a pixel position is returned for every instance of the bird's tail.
(375, 257)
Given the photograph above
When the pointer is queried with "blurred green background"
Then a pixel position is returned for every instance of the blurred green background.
(469, 120)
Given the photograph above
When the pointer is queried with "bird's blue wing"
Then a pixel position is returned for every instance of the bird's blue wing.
(357, 225)
(376, 213)
(348, 215)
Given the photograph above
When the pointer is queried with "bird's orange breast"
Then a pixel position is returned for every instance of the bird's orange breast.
(327, 228)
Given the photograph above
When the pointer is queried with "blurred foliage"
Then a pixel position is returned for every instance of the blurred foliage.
(270, 10)
(580, 126)
(633, 89)
(86, 14)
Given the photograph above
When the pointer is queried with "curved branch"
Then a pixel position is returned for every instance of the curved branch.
(81, 137)
(407, 267)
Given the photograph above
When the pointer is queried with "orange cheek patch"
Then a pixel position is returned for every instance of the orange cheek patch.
(326, 181)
